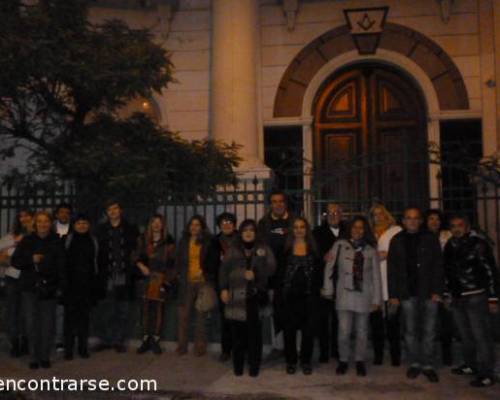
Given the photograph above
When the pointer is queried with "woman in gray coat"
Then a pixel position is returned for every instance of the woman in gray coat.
(358, 290)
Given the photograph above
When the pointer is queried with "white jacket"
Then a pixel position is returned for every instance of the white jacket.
(383, 245)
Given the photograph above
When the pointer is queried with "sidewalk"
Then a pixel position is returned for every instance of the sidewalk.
(189, 377)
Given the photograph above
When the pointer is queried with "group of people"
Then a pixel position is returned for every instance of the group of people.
(366, 277)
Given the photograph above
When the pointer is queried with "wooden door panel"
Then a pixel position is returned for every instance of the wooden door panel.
(367, 121)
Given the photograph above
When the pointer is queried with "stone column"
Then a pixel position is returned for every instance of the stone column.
(233, 91)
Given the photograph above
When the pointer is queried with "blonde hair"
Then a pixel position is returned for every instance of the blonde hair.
(41, 213)
(388, 216)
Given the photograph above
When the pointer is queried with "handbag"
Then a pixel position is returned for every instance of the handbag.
(206, 299)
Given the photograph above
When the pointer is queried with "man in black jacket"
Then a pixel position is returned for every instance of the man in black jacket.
(472, 280)
(416, 283)
(117, 241)
(326, 235)
(273, 228)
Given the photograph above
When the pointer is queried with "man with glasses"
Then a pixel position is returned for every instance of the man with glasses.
(326, 235)
(472, 278)
(416, 283)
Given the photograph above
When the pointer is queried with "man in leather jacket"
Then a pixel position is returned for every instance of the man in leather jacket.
(472, 280)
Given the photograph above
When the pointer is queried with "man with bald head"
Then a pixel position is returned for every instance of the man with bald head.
(326, 235)
(416, 283)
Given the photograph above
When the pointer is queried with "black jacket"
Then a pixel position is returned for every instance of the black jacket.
(429, 265)
(325, 238)
(470, 266)
(130, 235)
(81, 268)
(50, 273)
(274, 233)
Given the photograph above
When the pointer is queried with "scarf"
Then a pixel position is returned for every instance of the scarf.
(357, 265)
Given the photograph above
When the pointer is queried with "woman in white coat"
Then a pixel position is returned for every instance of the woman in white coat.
(385, 321)
(358, 291)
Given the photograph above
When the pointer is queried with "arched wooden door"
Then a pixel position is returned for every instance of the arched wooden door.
(370, 140)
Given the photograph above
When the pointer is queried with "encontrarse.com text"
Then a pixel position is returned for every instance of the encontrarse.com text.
(74, 385)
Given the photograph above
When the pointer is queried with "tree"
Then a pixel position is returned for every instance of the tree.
(63, 81)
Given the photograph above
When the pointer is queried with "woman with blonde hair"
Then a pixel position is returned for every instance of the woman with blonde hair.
(155, 263)
(40, 257)
(384, 320)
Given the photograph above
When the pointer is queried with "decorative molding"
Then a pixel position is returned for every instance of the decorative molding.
(445, 9)
(290, 9)
(366, 26)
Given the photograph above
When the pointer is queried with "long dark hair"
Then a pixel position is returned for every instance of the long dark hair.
(368, 236)
(205, 232)
(310, 242)
(18, 228)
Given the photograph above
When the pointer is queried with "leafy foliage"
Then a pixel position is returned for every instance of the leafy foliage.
(63, 81)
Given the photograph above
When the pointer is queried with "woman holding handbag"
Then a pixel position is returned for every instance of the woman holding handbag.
(243, 280)
(40, 257)
(194, 266)
(155, 262)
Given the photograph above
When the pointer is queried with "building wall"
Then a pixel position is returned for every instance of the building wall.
(459, 37)
(185, 107)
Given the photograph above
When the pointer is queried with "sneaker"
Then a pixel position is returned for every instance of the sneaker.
(59, 347)
(463, 370)
(413, 372)
(431, 375)
(482, 381)
(360, 368)
(342, 368)
(145, 346)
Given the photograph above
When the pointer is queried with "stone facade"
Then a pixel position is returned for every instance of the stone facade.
(454, 47)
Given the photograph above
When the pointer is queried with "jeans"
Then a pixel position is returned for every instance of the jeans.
(346, 320)
(419, 317)
(471, 314)
(15, 323)
(115, 313)
(40, 325)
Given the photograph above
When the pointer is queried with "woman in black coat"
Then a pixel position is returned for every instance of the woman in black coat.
(299, 295)
(81, 272)
(40, 257)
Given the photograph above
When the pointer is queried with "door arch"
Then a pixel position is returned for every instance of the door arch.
(370, 139)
